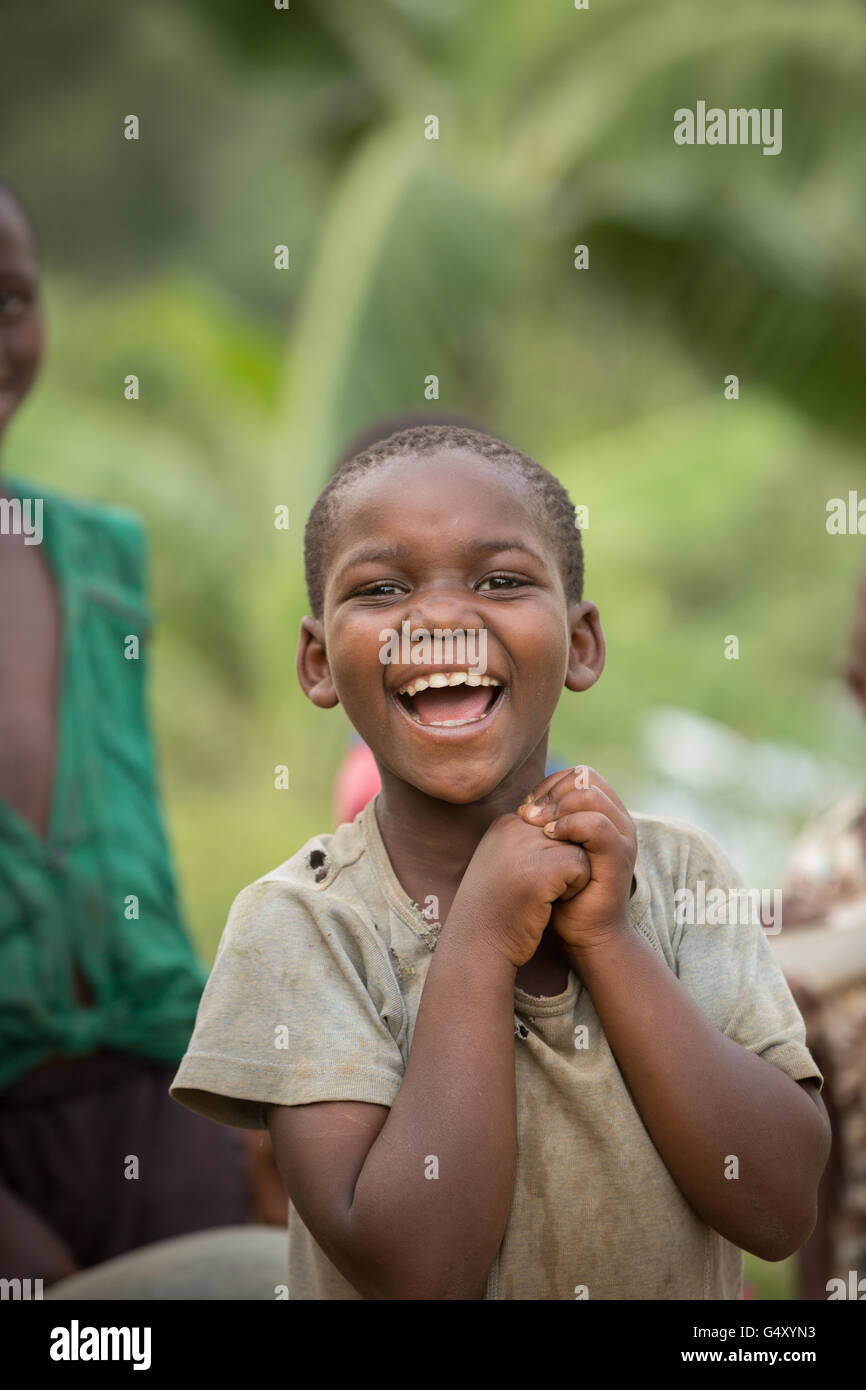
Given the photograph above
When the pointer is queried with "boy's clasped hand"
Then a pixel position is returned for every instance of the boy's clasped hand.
(576, 807)
(565, 858)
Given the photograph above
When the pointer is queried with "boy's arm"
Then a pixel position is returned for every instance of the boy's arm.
(704, 1098)
(358, 1174)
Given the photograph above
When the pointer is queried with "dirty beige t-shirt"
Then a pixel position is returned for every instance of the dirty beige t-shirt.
(314, 995)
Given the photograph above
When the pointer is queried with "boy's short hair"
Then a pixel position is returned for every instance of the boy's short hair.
(549, 500)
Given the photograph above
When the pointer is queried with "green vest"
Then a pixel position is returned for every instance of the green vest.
(72, 898)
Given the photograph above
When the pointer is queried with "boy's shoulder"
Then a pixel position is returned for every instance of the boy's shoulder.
(673, 837)
(322, 859)
(317, 876)
(675, 851)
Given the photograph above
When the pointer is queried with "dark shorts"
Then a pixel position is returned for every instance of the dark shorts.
(69, 1133)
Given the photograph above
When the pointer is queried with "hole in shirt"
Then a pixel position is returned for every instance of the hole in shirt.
(318, 860)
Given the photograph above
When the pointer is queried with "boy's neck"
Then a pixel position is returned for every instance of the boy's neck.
(431, 842)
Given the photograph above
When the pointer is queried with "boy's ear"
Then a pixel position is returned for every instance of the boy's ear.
(586, 653)
(312, 667)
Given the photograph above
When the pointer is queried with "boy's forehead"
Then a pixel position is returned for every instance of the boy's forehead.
(445, 479)
(426, 500)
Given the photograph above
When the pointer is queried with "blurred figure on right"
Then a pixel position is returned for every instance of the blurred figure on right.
(824, 894)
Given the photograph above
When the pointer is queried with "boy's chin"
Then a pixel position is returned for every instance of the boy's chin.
(458, 791)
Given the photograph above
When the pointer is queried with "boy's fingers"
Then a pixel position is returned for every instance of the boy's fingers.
(541, 791)
(577, 855)
(581, 773)
(611, 794)
(577, 867)
(593, 830)
(576, 799)
(566, 799)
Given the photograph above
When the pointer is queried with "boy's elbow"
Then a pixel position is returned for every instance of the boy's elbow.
(390, 1284)
(790, 1230)
(396, 1275)
(432, 1292)
(782, 1233)
(779, 1240)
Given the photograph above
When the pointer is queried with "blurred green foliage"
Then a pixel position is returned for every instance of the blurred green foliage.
(453, 257)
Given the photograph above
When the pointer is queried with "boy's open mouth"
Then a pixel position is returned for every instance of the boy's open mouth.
(450, 698)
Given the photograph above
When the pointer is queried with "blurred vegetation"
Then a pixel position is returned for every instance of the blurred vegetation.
(453, 257)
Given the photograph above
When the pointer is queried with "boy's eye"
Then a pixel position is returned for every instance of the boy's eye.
(502, 581)
(382, 587)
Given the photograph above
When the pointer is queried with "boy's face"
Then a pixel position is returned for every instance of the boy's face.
(447, 541)
(21, 332)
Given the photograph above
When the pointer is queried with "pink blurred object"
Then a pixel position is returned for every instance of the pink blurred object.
(357, 783)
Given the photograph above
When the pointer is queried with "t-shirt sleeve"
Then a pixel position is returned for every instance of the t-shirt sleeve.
(301, 1006)
(726, 963)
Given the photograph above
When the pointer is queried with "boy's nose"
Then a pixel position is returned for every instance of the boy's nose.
(444, 611)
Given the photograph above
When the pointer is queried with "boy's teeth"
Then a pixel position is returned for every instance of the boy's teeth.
(430, 701)
(445, 678)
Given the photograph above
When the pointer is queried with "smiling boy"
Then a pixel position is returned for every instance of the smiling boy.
(554, 1091)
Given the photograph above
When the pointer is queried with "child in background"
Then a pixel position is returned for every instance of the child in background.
(825, 885)
(556, 1089)
(98, 982)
